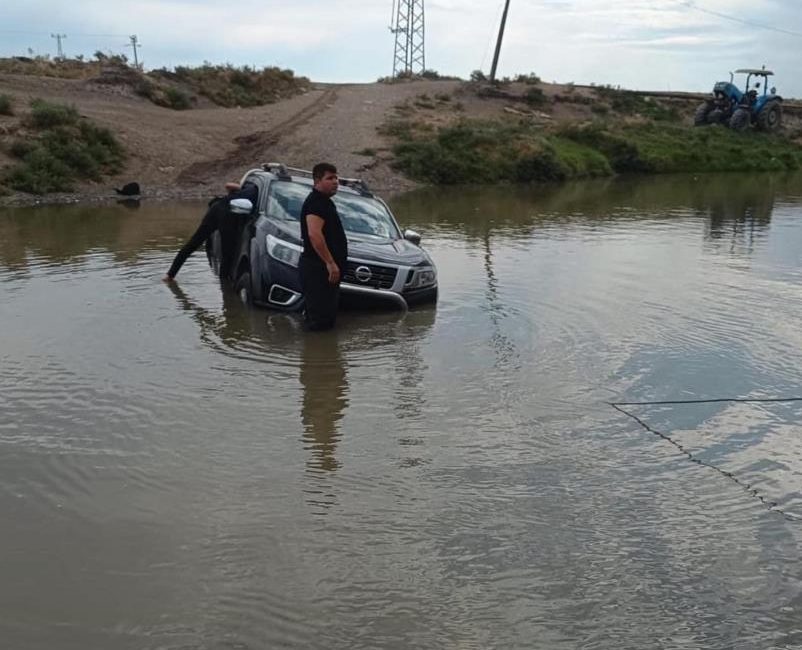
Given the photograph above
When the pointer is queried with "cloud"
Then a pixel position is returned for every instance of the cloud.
(637, 43)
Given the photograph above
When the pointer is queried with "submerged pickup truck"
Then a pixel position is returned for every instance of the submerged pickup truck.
(385, 265)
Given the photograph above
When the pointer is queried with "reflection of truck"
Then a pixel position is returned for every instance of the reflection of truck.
(739, 109)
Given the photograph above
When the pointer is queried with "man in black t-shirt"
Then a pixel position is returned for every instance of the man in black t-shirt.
(325, 249)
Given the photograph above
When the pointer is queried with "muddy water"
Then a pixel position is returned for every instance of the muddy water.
(177, 471)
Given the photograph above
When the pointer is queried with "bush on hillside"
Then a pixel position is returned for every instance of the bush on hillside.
(45, 115)
(6, 105)
(230, 86)
(65, 148)
(491, 152)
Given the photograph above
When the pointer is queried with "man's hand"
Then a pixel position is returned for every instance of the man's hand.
(334, 272)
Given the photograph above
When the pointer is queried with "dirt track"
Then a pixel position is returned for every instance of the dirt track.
(192, 153)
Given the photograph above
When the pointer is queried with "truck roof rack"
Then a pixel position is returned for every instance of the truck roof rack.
(284, 172)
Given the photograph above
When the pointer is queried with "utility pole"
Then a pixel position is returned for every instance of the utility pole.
(498, 42)
(58, 38)
(409, 29)
(134, 45)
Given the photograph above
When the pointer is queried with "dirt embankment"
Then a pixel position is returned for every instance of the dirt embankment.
(191, 153)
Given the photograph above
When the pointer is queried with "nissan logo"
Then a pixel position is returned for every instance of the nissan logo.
(363, 274)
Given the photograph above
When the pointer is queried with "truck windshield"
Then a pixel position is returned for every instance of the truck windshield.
(361, 216)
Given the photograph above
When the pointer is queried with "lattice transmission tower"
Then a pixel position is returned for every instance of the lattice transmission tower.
(408, 27)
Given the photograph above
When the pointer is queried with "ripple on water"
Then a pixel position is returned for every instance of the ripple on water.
(446, 477)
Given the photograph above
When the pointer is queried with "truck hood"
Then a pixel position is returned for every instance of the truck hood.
(398, 251)
(389, 251)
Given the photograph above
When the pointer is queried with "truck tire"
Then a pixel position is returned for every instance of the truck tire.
(771, 117)
(740, 119)
(700, 116)
(244, 289)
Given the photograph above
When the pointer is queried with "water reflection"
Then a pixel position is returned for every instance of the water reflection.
(736, 219)
(131, 204)
(67, 233)
(324, 380)
(740, 202)
(368, 339)
(226, 329)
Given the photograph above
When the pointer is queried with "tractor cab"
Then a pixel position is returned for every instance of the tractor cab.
(751, 96)
(752, 104)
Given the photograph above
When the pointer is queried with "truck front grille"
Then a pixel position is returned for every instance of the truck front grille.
(381, 277)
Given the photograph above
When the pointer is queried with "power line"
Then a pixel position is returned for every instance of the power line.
(743, 21)
(29, 33)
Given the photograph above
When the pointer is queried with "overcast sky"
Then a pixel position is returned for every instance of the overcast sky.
(643, 44)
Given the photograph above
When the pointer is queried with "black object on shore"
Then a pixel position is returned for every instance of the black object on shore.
(129, 189)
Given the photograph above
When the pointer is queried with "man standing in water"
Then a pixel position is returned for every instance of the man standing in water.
(325, 249)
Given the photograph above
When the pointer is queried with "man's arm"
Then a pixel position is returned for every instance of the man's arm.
(314, 224)
(205, 229)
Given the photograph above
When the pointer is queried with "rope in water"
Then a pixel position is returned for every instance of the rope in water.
(767, 503)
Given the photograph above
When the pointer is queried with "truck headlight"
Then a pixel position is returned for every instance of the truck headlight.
(422, 277)
(426, 277)
(284, 251)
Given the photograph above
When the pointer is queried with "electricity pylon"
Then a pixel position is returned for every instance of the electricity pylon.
(408, 27)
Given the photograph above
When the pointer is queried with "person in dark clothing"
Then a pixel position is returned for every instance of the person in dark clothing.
(220, 217)
(325, 249)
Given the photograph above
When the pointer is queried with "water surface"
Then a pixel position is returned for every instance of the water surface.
(177, 471)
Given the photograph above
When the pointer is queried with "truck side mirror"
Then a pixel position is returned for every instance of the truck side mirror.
(240, 206)
(412, 236)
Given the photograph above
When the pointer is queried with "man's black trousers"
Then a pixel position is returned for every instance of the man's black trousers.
(322, 298)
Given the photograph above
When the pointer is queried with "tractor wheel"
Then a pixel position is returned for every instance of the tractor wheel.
(740, 119)
(771, 117)
(716, 116)
(700, 117)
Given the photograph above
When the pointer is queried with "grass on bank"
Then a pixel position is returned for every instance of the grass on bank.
(473, 151)
(230, 86)
(61, 148)
(178, 89)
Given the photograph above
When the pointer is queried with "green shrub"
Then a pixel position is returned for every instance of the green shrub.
(535, 97)
(65, 149)
(21, 148)
(473, 151)
(531, 79)
(490, 152)
(45, 115)
(177, 99)
(229, 86)
(41, 173)
(622, 154)
(6, 105)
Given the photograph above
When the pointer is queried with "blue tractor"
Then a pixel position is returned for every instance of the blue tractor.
(741, 109)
